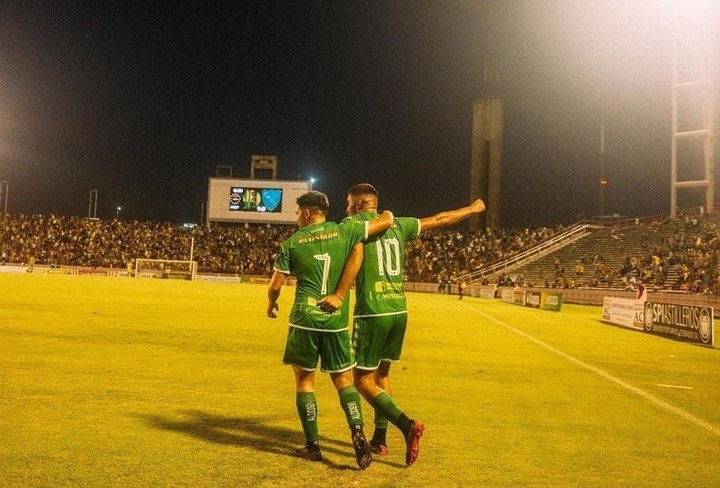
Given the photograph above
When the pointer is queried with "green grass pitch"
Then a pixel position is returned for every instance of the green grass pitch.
(137, 382)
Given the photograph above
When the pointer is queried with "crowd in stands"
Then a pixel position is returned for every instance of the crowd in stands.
(679, 255)
(237, 249)
(74, 241)
(442, 255)
(689, 252)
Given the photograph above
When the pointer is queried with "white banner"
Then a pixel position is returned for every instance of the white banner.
(623, 311)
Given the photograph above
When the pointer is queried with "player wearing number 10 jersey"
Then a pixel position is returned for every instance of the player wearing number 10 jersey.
(381, 311)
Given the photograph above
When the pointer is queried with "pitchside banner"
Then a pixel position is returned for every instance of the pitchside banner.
(687, 323)
(627, 312)
(624, 311)
(544, 300)
(507, 295)
(485, 291)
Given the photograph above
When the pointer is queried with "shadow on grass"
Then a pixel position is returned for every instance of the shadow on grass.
(249, 432)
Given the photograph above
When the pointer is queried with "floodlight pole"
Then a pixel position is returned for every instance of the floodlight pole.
(4, 186)
(603, 181)
(92, 205)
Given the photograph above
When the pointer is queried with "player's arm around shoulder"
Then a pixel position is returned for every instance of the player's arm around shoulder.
(276, 283)
(450, 217)
(380, 224)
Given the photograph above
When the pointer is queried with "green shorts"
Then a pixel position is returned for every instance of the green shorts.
(378, 338)
(304, 347)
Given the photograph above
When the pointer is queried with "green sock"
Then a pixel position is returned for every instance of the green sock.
(308, 412)
(350, 403)
(385, 404)
(381, 421)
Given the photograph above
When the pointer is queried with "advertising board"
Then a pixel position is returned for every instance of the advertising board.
(544, 300)
(627, 312)
(688, 323)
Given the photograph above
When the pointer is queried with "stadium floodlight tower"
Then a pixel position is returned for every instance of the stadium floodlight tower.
(92, 204)
(4, 185)
(693, 106)
(603, 180)
(486, 154)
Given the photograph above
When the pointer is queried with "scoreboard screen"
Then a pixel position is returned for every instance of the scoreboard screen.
(248, 199)
(253, 200)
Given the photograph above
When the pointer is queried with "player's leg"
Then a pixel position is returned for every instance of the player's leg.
(378, 443)
(382, 376)
(349, 398)
(378, 342)
(365, 382)
(391, 351)
(338, 360)
(301, 353)
(412, 429)
(368, 335)
(307, 409)
(384, 405)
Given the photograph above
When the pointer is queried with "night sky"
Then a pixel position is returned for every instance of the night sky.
(143, 100)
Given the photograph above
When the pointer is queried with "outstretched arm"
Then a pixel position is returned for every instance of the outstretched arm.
(276, 283)
(451, 217)
(333, 302)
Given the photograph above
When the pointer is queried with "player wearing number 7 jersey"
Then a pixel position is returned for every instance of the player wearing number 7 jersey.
(316, 254)
(381, 311)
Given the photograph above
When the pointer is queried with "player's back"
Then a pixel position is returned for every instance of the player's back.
(316, 255)
(379, 285)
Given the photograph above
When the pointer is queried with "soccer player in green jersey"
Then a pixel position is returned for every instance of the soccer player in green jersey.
(381, 311)
(317, 254)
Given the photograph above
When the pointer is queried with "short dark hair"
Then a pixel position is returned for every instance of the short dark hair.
(363, 189)
(314, 200)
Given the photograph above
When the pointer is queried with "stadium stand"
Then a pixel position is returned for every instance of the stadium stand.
(665, 254)
(72, 241)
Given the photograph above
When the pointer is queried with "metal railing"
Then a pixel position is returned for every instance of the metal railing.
(536, 252)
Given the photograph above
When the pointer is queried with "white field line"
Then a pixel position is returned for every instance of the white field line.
(677, 387)
(624, 384)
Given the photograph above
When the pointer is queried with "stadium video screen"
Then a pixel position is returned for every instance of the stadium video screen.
(244, 199)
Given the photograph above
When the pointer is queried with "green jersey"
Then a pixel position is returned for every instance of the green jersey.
(379, 284)
(316, 255)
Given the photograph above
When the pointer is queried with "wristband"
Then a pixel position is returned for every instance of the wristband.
(338, 297)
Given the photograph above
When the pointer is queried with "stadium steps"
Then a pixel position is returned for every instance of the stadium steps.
(530, 255)
(613, 245)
